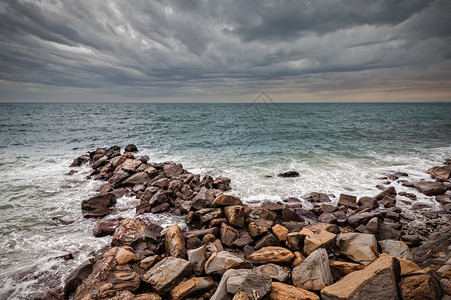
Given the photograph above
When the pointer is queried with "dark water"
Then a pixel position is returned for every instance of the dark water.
(335, 147)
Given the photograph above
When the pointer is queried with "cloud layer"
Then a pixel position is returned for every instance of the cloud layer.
(225, 50)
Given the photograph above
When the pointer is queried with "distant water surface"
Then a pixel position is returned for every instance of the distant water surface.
(335, 147)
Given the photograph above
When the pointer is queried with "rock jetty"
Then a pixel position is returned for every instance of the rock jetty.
(365, 248)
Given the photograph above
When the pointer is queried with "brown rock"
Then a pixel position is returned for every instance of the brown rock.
(281, 291)
(274, 271)
(192, 288)
(204, 198)
(407, 266)
(290, 215)
(137, 178)
(240, 296)
(228, 234)
(226, 200)
(130, 165)
(440, 172)
(318, 197)
(280, 232)
(368, 202)
(147, 262)
(219, 262)
(175, 242)
(376, 281)
(124, 280)
(348, 201)
(298, 259)
(422, 284)
(125, 255)
(167, 273)
(271, 255)
(267, 240)
(359, 247)
(322, 239)
(235, 215)
(106, 227)
(259, 227)
(430, 188)
(100, 272)
(132, 231)
(99, 202)
(340, 269)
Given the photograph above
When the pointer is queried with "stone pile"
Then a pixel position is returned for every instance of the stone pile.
(365, 248)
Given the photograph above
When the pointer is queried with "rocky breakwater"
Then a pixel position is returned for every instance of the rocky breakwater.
(356, 249)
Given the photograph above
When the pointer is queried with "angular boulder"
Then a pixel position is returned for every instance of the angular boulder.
(226, 200)
(274, 271)
(378, 281)
(228, 234)
(430, 188)
(197, 257)
(359, 247)
(321, 239)
(167, 273)
(271, 254)
(281, 291)
(220, 262)
(397, 249)
(132, 231)
(235, 215)
(348, 201)
(192, 288)
(99, 202)
(256, 285)
(314, 272)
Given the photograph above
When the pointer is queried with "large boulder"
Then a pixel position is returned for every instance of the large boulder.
(197, 257)
(204, 198)
(167, 273)
(316, 240)
(175, 242)
(235, 215)
(221, 292)
(397, 249)
(220, 262)
(137, 178)
(77, 276)
(226, 200)
(288, 292)
(131, 231)
(192, 288)
(228, 234)
(422, 284)
(348, 201)
(272, 254)
(378, 281)
(430, 188)
(99, 202)
(256, 285)
(389, 191)
(440, 172)
(131, 148)
(314, 272)
(359, 247)
(100, 272)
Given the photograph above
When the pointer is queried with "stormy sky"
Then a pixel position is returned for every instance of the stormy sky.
(225, 50)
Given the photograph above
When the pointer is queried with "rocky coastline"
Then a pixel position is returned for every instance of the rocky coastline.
(366, 248)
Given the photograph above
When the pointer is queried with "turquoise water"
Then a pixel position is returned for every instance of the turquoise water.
(335, 147)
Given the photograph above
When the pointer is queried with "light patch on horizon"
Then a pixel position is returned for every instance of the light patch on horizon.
(225, 51)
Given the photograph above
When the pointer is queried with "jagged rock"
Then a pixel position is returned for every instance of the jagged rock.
(290, 215)
(240, 296)
(167, 273)
(259, 227)
(235, 215)
(390, 191)
(131, 148)
(294, 241)
(172, 170)
(130, 165)
(219, 262)
(125, 255)
(361, 218)
(340, 269)
(430, 188)
(228, 234)
(100, 272)
(288, 292)
(118, 177)
(99, 202)
(197, 257)
(118, 160)
(397, 249)
(422, 284)
(318, 197)
(328, 218)
(131, 231)
(267, 240)
(256, 285)
(387, 232)
(137, 178)
(321, 239)
(97, 213)
(123, 280)
(368, 202)
(147, 262)
(160, 208)
(407, 266)
(175, 242)
(271, 255)
(376, 281)
(221, 292)
(359, 247)
(274, 271)
(77, 276)
(440, 172)
(245, 239)
(203, 199)
(193, 287)
(298, 259)
(81, 160)
(280, 232)
(348, 201)
(314, 272)
(273, 206)
(226, 200)
(222, 183)
(388, 201)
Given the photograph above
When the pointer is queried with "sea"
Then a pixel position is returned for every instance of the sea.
(335, 147)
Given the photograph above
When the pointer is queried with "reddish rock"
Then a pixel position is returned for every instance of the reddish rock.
(348, 201)
(106, 227)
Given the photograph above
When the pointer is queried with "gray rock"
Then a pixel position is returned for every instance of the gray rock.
(314, 272)
(274, 271)
(359, 247)
(397, 249)
(219, 262)
(197, 257)
(255, 284)
(167, 273)
(221, 292)
(137, 178)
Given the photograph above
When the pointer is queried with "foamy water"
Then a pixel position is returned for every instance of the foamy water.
(336, 149)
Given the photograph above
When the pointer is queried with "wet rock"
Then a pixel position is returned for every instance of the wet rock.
(290, 215)
(387, 232)
(97, 213)
(348, 201)
(359, 247)
(376, 281)
(77, 276)
(132, 231)
(396, 248)
(99, 202)
(272, 254)
(197, 257)
(408, 195)
(222, 183)
(314, 272)
(430, 248)
(131, 148)
(226, 200)
(228, 234)
(411, 239)
(267, 240)
(204, 215)
(130, 165)
(118, 177)
(289, 292)
(288, 174)
(389, 191)
(160, 208)
(167, 273)
(422, 284)
(235, 215)
(256, 285)
(203, 199)
(273, 206)
(219, 262)
(368, 202)
(388, 201)
(172, 170)
(100, 272)
(274, 271)
(192, 288)
(81, 160)
(65, 220)
(440, 172)
(430, 188)
(175, 242)
(318, 197)
(361, 218)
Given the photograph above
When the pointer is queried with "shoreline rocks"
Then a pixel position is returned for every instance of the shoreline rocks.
(360, 249)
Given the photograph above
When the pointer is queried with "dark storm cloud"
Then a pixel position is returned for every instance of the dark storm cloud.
(149, 49)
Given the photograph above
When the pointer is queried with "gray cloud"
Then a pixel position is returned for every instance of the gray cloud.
(223, 49)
